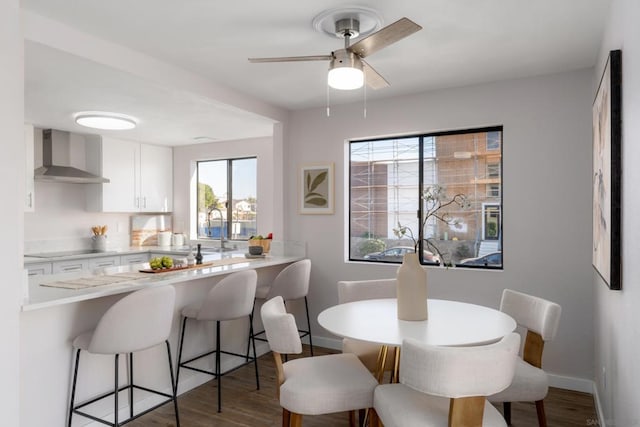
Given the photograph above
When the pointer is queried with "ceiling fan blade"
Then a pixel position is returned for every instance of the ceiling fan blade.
(388, 35)
(292, 59)
(373, 79)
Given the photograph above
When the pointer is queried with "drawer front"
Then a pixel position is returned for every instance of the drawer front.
(39, 269)
(134, 259)
(70, 266)
(103, 262)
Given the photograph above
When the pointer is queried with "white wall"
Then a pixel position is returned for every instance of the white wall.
(12, 173)
(617, 319)
(184, 164)
(547, 197)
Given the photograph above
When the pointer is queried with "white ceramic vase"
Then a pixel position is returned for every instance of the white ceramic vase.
(100, 243)
(412, 289)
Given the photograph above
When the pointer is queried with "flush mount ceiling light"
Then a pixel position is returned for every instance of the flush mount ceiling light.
(105, 121)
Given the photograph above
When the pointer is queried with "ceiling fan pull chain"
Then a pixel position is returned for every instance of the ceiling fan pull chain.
(328, 103)
(365, 100)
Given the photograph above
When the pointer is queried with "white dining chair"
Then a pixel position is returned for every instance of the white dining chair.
(530, 383)
(358, 290)
(446, 386)
(292, 283)
(313, 385)
(230, 299)
(137, 322)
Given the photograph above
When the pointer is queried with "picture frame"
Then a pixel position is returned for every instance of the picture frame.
(316, 188)
(607, 173)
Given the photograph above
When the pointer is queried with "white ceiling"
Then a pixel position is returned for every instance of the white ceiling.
(463, 42)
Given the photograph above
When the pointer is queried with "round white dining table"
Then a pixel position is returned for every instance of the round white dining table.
(450, 323)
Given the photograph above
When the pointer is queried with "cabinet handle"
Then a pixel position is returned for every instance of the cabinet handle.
(144, 201)
(30, 204)
(137, 203)
(105, 264)
(72, 268)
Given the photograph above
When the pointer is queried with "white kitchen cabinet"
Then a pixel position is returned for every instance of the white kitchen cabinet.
(70, 266)
(134, 258)
(29, 201)
(102, 262)
(39, 268)
(141, 176)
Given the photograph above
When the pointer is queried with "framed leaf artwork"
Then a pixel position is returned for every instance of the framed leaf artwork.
(316, 189)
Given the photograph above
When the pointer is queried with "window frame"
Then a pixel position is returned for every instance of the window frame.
(421, 137)
(229, 208)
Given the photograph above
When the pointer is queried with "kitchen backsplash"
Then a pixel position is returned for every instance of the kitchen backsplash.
(145, 228)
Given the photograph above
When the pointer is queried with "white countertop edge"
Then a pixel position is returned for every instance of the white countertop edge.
(50, 297)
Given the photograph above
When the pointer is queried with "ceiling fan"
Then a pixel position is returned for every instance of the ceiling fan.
(347, 69)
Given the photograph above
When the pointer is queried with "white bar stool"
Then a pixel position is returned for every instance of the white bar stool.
(231, 298)
(139, 321)
(291, 283)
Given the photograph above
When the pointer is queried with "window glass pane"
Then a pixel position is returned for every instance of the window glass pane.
(212, 194)
(244, 203)
(227, 198)
(384, 188)
(460, 211)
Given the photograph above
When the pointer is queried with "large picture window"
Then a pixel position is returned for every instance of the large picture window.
(439, 194)
(227, 199)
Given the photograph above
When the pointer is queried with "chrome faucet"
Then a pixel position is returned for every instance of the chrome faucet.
(211, 209)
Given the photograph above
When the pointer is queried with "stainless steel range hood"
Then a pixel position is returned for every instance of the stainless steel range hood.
(63, 172)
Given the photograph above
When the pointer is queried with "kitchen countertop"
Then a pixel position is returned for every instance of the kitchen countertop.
(43, 296)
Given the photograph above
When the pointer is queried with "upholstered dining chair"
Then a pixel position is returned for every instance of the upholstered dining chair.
(137, 322)
(292, 283)
(446, 386)
(313, 385)
(358, 290)
(230, 299)
(530, 383)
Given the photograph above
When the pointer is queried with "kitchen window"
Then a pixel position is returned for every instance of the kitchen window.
(447, 184)
(227, 198)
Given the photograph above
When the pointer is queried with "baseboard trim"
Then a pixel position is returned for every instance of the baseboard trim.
(571, 383)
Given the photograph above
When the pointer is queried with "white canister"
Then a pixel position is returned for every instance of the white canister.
(178, 239)
(164, 238)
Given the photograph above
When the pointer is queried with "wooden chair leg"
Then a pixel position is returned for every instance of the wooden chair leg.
(374, 420)
(542, 419)
(296, 420)
(286, 418)
(506, 409)
(352, 418)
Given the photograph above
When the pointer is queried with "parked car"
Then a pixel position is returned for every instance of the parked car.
(396, 254)
(494, 259)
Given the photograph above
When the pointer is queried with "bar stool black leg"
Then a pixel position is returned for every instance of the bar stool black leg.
(251, 336)
(115, 394)
(184, 326)
(306, 306)
(255, 357)
(173, 384)
(130, 385)
(506, 407)
(73, 387)
(218, 376)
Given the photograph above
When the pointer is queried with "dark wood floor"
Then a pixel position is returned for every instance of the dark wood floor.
(243, 405)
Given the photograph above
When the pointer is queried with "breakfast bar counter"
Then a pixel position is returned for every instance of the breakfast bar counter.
(52, 317)
(43, 293)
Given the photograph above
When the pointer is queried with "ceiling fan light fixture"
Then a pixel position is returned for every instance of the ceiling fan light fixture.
(345, 71)
(105, 121)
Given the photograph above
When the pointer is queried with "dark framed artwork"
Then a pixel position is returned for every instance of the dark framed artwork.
(607, 167)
